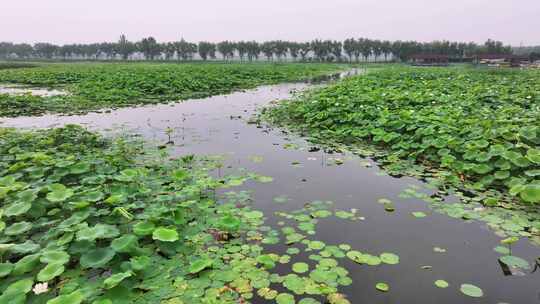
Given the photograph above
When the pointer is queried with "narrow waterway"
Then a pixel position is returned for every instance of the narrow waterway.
(219, 126)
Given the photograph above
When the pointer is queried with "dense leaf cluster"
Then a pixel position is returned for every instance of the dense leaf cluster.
(98, 86)
(85, 215)
(483, 126)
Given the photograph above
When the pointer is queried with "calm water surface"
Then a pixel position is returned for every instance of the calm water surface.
(218, 125)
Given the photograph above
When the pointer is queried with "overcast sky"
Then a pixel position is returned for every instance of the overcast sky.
(70, 21)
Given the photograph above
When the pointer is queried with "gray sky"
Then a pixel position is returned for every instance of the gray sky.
(70, 21)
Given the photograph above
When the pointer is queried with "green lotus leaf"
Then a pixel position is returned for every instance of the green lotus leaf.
(59, 193)
(79, 168)
(471, 290)
(26, 264)
(253, 214)
(25, 248)
(382, 287)
(19, 287)
(285, 298)
(75, 297)
(140, 262)
(99, 231)
(125, 243)
(389, 258)
(200, 264)
(54, 257)
(514, 261)
(533, 155)
(530, 193)
(316, 245)
(144, 228)
(115, 279)
(419, 214)
(50, 272)
(18, 228)
(93, 196)
(5, 269)
(165, 234)
(441, 283)
(300, 267)
(97, 258)
(266, 261)
(17, 209)
(229, 223)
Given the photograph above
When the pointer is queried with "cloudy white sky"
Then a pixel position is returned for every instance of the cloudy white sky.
(70, 21)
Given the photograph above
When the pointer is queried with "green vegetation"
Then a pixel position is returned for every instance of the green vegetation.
(478, 130)
(98, 86)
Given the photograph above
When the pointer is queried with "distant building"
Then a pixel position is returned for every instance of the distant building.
(429, 60)
(501, 60)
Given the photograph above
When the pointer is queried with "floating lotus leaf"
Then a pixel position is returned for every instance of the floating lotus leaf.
(17, 209)
(266, 261)
(26, 264)
(389, 258)
(285, 298)
(514, 261)
(94, 196)
(144, 228)
(200, 264)
(502, 250)
(165, 234)
(25, 248)
(264, 179)
(5, 269)
(99, 231)
(54, 257)
(19, 287)
(308, 301)
(531, 193)
(253, 214)
(441, 283)
(18, 228)
(316, 245)
(471, 290)
(79, 168)
(50, 272)
(125, 243)
(116, 278)
(140, 262)
(382, 287)
(59, 193)
(96, 258)
(75, 297)
(419, 214)
(300, 267)
(229, 223)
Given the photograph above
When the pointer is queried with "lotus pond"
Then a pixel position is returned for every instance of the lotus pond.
(201, 202)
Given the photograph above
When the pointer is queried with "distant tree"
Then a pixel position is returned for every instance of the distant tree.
(242, 48)
(149, 47)
(349, 47)
(207, 50)
(336, 48)
(294, 49)
(268, 49)
(184, 49)
(320, 49)
(304, 49)
(226, 48)
(45, 50)
(253, 50)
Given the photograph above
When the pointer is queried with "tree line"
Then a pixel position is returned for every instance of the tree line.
(352, 49)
